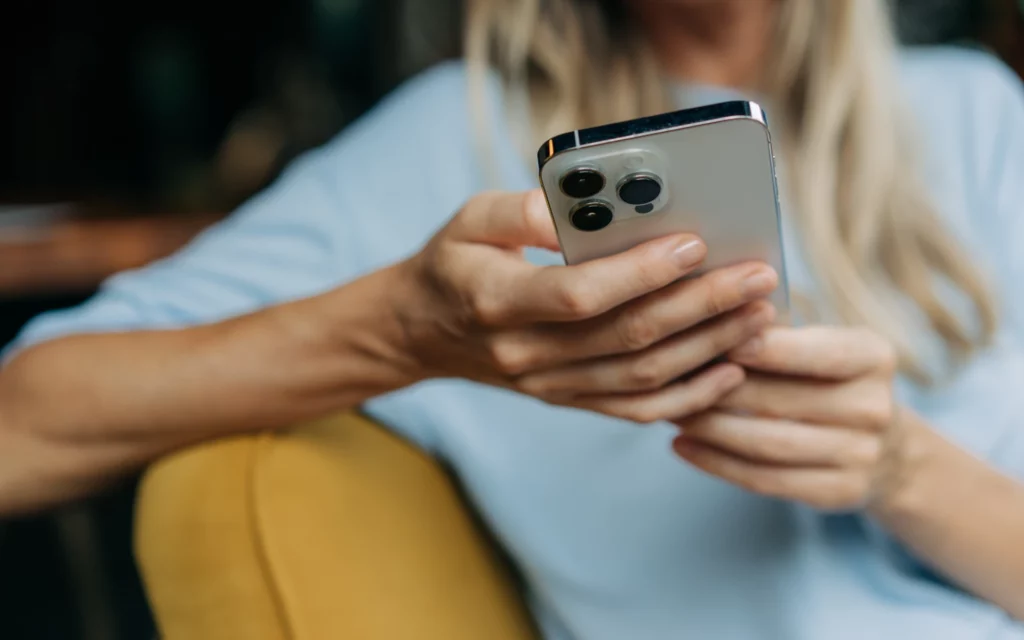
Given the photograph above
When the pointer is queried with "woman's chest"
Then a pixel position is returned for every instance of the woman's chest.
(597, 503)
(594, 504)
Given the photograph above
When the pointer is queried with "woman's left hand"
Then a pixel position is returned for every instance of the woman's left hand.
(814, 422)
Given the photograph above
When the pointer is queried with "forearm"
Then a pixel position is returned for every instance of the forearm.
(79, 410)
(962, 516)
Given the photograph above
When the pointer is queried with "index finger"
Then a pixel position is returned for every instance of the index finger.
(588, 289)
(831, 353)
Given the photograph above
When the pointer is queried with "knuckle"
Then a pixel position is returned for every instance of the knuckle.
(485, 311)
(525, 212)
(847, 493)
(641, 412)
(717, 294)
(853, 493)
(768, 448)
(876, 412)
(508, 356)
(485, 308)
(889, 361)
(863, 452)
(761, 483)
(533, 386)
(576, 300)
(699, 401)
(636, 332)
(824, 501)
(613, 410)
(696, 422)
(650, 271)
(533, 212)
(647, 373)
(483, 200)
(698, 398)
(768, 404)
(438, 267)
(726, 335)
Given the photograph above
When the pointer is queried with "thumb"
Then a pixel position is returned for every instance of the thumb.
(512, 220)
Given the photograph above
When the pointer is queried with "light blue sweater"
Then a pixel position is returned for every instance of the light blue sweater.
(616, 537)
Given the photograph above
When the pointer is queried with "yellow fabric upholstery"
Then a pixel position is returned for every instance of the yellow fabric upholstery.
(337, 529)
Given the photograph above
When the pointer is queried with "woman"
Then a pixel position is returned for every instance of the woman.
(858, 476)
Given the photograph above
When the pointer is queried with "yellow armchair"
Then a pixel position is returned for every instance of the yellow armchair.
(337, 529)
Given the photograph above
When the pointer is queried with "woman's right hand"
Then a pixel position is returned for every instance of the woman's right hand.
(619, 335)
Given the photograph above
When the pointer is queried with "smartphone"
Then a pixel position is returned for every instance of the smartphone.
(708, 171)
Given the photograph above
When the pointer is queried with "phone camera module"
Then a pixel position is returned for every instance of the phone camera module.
(582, 183)
(591, 216)
(639, 190)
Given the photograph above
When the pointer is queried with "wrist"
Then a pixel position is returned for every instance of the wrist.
(910, 481)
(392, 297)
(405, 302)
(359, 327)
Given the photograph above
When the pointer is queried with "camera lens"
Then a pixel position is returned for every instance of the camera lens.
(591, 216)
(582, 183)
(638, 190)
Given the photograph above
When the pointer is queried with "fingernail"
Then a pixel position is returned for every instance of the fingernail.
(759, 282)
(749, 349)
(688, 252)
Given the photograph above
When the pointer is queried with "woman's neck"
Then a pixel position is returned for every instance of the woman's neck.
(716, 42)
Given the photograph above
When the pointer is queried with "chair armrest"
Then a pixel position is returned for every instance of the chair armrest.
(337, 529)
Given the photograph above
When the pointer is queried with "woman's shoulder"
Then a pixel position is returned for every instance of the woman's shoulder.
(440, 110)
(413, 119)
(421, 144)
(965, 101)
(968, 111)
(405, 166)
(969, 72)
(438, 91)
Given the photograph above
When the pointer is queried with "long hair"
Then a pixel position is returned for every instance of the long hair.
(871, 234)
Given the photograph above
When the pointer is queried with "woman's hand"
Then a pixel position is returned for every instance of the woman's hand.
(814, 421)
(613, 335)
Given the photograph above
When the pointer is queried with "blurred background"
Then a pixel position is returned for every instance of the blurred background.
(125, 128)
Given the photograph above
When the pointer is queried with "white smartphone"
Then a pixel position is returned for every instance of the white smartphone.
(708, 171)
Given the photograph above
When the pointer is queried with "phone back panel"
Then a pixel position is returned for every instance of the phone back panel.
(717, 181)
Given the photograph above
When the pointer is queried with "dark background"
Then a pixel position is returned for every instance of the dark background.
(152, 120)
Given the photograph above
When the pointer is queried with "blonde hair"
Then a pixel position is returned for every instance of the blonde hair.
(868, 228)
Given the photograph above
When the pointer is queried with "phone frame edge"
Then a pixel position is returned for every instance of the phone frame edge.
(649, 125)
